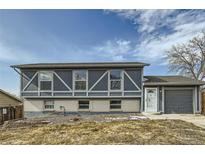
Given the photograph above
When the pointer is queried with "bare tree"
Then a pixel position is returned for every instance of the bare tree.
(188, 59)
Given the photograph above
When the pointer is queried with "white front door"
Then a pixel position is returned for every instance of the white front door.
(151, 100)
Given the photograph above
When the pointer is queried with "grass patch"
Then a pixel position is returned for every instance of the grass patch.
(118, 132)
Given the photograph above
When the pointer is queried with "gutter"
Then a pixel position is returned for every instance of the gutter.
(172, 84)
(80, 65)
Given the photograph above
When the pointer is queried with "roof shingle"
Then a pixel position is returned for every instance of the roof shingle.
(171, 80)
(11, 96)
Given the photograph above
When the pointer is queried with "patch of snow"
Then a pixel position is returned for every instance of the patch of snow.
(137, 117)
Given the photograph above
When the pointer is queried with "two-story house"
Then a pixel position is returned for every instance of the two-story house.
(104, 87)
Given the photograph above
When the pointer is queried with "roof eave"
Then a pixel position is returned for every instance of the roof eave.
(173, 83)
(83, 65)
(12, 96)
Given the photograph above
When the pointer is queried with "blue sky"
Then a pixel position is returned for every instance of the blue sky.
(32, 36)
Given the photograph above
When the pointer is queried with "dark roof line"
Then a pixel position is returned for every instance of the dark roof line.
(171, 80)
(81, 65)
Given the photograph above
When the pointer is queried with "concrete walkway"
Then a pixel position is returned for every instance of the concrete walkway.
(198, 120)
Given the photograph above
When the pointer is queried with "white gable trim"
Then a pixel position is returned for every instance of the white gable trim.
(62, 81)
(98, 81)
(30, 81)
(132, 80)
(25, 76)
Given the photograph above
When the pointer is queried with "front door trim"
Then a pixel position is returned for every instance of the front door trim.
(146, 89)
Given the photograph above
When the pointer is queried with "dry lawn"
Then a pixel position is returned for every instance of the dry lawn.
(118, 132)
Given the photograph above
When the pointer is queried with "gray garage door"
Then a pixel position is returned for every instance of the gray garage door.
(179, 101)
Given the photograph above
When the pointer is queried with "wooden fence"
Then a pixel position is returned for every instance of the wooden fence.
(9, 113)
(203, 102)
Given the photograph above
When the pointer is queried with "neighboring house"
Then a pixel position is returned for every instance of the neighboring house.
(7, 100)
(105, 87)
(11, 107)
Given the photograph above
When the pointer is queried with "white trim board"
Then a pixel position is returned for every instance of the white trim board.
(105, 73)
(82, 97)
(62, 80)
(30, 81)
(145, 108)
(132, 80)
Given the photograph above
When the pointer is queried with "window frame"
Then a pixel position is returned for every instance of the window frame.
(50, 80)
(84, 80)
(115, 109)
(49, 109)
(83, 109)
(121, 80)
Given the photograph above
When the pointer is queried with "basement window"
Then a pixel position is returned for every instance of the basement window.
(49, 105)
(115, 104)
(83, 105)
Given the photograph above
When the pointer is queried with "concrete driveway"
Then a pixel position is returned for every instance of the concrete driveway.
(198, 120)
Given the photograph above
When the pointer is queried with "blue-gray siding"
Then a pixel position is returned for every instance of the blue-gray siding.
(128, 85)
(34, 85)
(102, 85)
(160, 99)
(93, 76)
(58, 85)
(66, 76)
(198, 106)
(136, 75)
(28, 75)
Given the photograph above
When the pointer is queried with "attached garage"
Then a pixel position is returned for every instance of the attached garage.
(173, 94)
(178, 101)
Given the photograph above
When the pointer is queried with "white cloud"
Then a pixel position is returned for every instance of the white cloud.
(115, 50)
(12, 54)
(5, 53)
(160, 29)
(148, 20)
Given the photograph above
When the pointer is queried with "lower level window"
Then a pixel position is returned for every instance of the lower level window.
(115, 104)
(83, 104)
(49, 105)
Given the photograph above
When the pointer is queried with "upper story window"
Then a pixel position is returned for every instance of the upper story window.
(115, 79)
(46, 80)
(80, 79)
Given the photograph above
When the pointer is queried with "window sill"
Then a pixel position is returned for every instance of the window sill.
(47, 110)
(83, 110)
(115, 110)
(116, 90)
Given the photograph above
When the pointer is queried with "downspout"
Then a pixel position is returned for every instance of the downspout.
(142, 91)
(20, 73)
